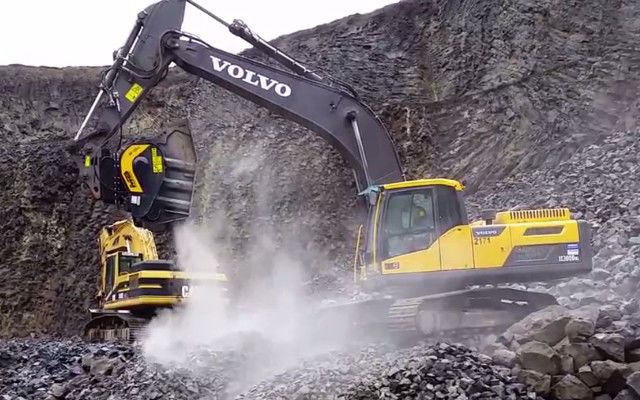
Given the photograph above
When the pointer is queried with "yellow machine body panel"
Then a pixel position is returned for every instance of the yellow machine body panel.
(420, 228)
(491, 252)
(424, 182)
(143, 301)
(534, 233)
(456, 248)
(126, 166)
(124, 235)
(133, 278)
(419, 261)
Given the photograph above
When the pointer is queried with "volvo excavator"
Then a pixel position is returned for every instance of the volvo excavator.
(416, 246)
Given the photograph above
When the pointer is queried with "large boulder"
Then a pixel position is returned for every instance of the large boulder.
(604, 369)
(539, 382)
(582, 353)
(504, 357)
(546, 326)
(579, 329)
(626, 394)
(633, 382)
(571, 388)
(612, 375)
(611, 345)
(586, 375)
(539, 356)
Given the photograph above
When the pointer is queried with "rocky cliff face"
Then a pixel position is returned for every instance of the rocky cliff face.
(475, 90)
(48, 223)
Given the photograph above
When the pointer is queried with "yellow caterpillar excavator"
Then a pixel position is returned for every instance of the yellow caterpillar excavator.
(418, 246)
(135, 284)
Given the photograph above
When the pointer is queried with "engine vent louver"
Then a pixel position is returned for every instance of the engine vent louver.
(541, 215)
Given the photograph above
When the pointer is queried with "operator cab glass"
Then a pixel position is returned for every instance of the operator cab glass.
(110, 272)
(126, 262)
(409, 222)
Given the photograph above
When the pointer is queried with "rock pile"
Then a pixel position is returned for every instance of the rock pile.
(587, 353)
(74, 370)
(440, 371)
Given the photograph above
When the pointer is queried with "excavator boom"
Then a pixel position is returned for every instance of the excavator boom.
(325, 106)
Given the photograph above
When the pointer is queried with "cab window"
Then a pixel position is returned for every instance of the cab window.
(408, 223)
(449, 213)
(368, 243)
(110, 273)
(126, 263)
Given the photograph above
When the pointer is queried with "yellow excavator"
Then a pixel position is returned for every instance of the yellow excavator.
(135, 284)
(417, 246)
(420, 243)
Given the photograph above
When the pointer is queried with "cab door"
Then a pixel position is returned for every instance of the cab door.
(407, 236)
(456, 250)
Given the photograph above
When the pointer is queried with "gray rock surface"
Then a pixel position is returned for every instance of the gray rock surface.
(633, 382)
(582, 353)
(546, 326)
(579, 329)
(586, 375)
(626, 394)
(504, 357)
(571, 388)
(611, 345)
(74, 370)
(539, 382)
(539, 357)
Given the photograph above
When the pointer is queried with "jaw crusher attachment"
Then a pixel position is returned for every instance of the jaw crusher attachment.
(153, 179)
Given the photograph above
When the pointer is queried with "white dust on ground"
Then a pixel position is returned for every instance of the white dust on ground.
(271, 319)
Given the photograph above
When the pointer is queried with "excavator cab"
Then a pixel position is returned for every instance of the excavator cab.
(418, 234)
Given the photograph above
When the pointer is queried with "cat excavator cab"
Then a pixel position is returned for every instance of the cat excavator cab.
(418, 243)
(135, 284)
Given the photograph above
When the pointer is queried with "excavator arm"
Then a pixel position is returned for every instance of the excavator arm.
(325, 106)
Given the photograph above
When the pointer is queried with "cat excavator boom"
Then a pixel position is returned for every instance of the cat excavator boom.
(417, 235)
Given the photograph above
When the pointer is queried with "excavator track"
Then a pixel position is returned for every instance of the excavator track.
(114, 326)
(464, 312)
(456, 315)
(401, 317)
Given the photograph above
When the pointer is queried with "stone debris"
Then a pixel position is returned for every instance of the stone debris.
(539, 357)
(74, 370)
(571, 388)
(440, 371)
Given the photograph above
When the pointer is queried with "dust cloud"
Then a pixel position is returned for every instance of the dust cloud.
(269, 318)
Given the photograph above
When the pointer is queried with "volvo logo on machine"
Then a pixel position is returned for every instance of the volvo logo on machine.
(251, 77)
(487, 231)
